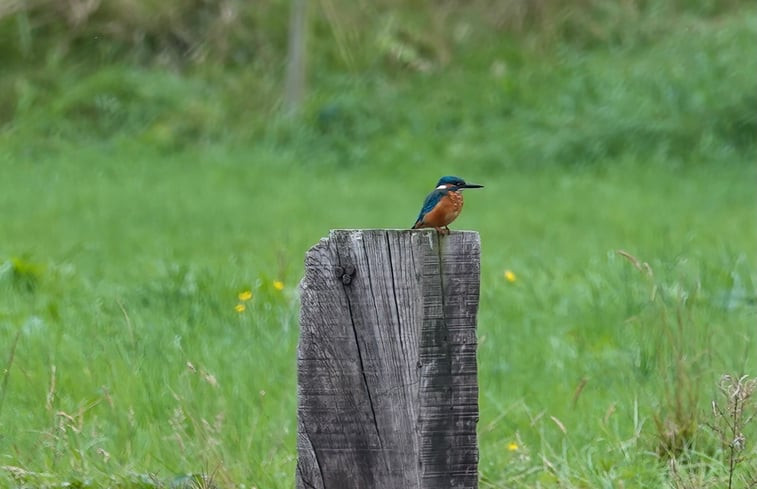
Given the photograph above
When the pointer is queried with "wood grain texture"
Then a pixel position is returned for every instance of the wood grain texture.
(387, 378)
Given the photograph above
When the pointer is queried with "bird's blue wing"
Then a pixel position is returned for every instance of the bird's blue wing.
(431, 200)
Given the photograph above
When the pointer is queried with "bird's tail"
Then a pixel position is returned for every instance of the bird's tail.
(417, 224)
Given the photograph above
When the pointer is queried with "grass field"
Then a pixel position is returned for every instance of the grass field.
(117, 280)
(125, 360)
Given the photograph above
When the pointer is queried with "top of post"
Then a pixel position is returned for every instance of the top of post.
(429, 236)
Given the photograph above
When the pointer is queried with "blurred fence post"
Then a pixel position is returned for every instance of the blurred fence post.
(387, 376)
(294, 86)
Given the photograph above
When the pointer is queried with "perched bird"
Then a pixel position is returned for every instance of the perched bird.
(443, 205)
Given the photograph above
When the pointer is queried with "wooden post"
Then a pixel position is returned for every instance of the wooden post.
(387, 378)
(294, 85)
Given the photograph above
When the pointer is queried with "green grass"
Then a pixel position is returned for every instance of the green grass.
(126, 273)
(136, 204)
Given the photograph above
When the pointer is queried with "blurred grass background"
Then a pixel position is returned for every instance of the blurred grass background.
(148, 177)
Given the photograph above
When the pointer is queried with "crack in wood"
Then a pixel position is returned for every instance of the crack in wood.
(360, 359)
(310, 458)
(304, 478)
(394, 292)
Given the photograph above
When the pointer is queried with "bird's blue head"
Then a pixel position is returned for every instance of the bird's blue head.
(450, 182)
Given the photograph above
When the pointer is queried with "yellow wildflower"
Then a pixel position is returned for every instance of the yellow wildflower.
(510, 276)
(512, 446)
(278, 285)
(240, 307)
(245, 296)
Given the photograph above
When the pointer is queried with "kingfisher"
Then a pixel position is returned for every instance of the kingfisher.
(443, 205)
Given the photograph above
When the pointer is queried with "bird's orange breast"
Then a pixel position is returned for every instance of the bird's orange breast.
(446, 210)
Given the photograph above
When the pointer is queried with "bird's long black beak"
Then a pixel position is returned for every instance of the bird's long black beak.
(472, 185)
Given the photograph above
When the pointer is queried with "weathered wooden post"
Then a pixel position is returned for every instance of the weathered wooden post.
(387, 378)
